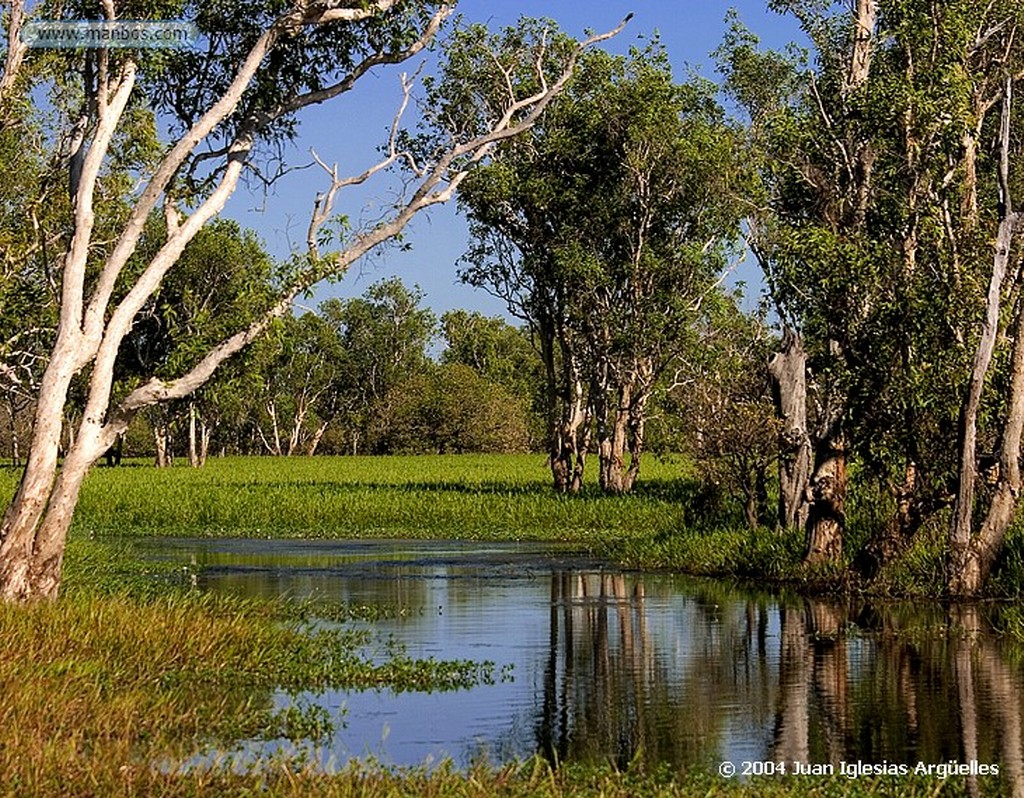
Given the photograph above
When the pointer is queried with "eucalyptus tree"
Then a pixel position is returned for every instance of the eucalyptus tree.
(260, 65)
(494, 349)
(989, 41)
(298, 366)
(450, 409)
(606, 229)
(808, 230)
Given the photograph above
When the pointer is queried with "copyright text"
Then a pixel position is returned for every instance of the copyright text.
(854, 770)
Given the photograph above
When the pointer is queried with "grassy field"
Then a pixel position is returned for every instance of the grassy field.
(664, 524)
(477, 496)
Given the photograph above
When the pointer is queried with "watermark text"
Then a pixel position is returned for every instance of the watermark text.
(127, 34)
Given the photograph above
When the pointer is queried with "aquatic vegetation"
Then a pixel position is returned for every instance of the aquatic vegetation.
(97, 688)
(135, 670)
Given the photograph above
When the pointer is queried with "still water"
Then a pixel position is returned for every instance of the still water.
(604, 664)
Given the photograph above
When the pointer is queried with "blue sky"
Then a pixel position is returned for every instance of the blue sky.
(348, 131)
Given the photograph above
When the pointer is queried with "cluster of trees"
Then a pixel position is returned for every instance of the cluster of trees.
(606, 229)
(355, 377)
(872, 176)
(886, 227)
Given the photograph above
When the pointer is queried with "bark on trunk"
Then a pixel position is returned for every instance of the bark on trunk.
(788, 370)
(193, 438)
(314, 442)
(972, 564)
(612, 441)
(569, 433)
(826, 521)
(860, 58)
(620, 425)
(750, 509)
(295, 436)
(637, 421)
(161, 437)
(36, 523)
(204, 442)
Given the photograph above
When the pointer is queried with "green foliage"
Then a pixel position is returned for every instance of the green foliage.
(495, 350)
(221, 283)
(450, 409)
(604, 230)
(876, 196)
(719, 408)
(383, 339)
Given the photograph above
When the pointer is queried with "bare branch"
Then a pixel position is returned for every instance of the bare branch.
(334, 11)
(324, 202)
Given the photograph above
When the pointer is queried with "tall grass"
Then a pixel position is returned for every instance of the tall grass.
(104, 694)
(468, 497)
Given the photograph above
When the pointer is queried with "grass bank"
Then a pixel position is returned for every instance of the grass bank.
(669, 522)
(665, 524)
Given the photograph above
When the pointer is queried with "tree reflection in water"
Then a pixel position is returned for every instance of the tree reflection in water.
(827, 682)
(682, 672)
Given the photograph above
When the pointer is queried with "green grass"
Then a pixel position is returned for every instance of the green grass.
(663, 524)
(109, 690)
(666, 523)
(470, 497)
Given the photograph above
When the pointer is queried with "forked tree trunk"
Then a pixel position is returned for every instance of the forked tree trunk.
(788, 371)
(624, 435)
(637, 423)
(35, 525)
(298, 422)
(612, 439)
(198, 438)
